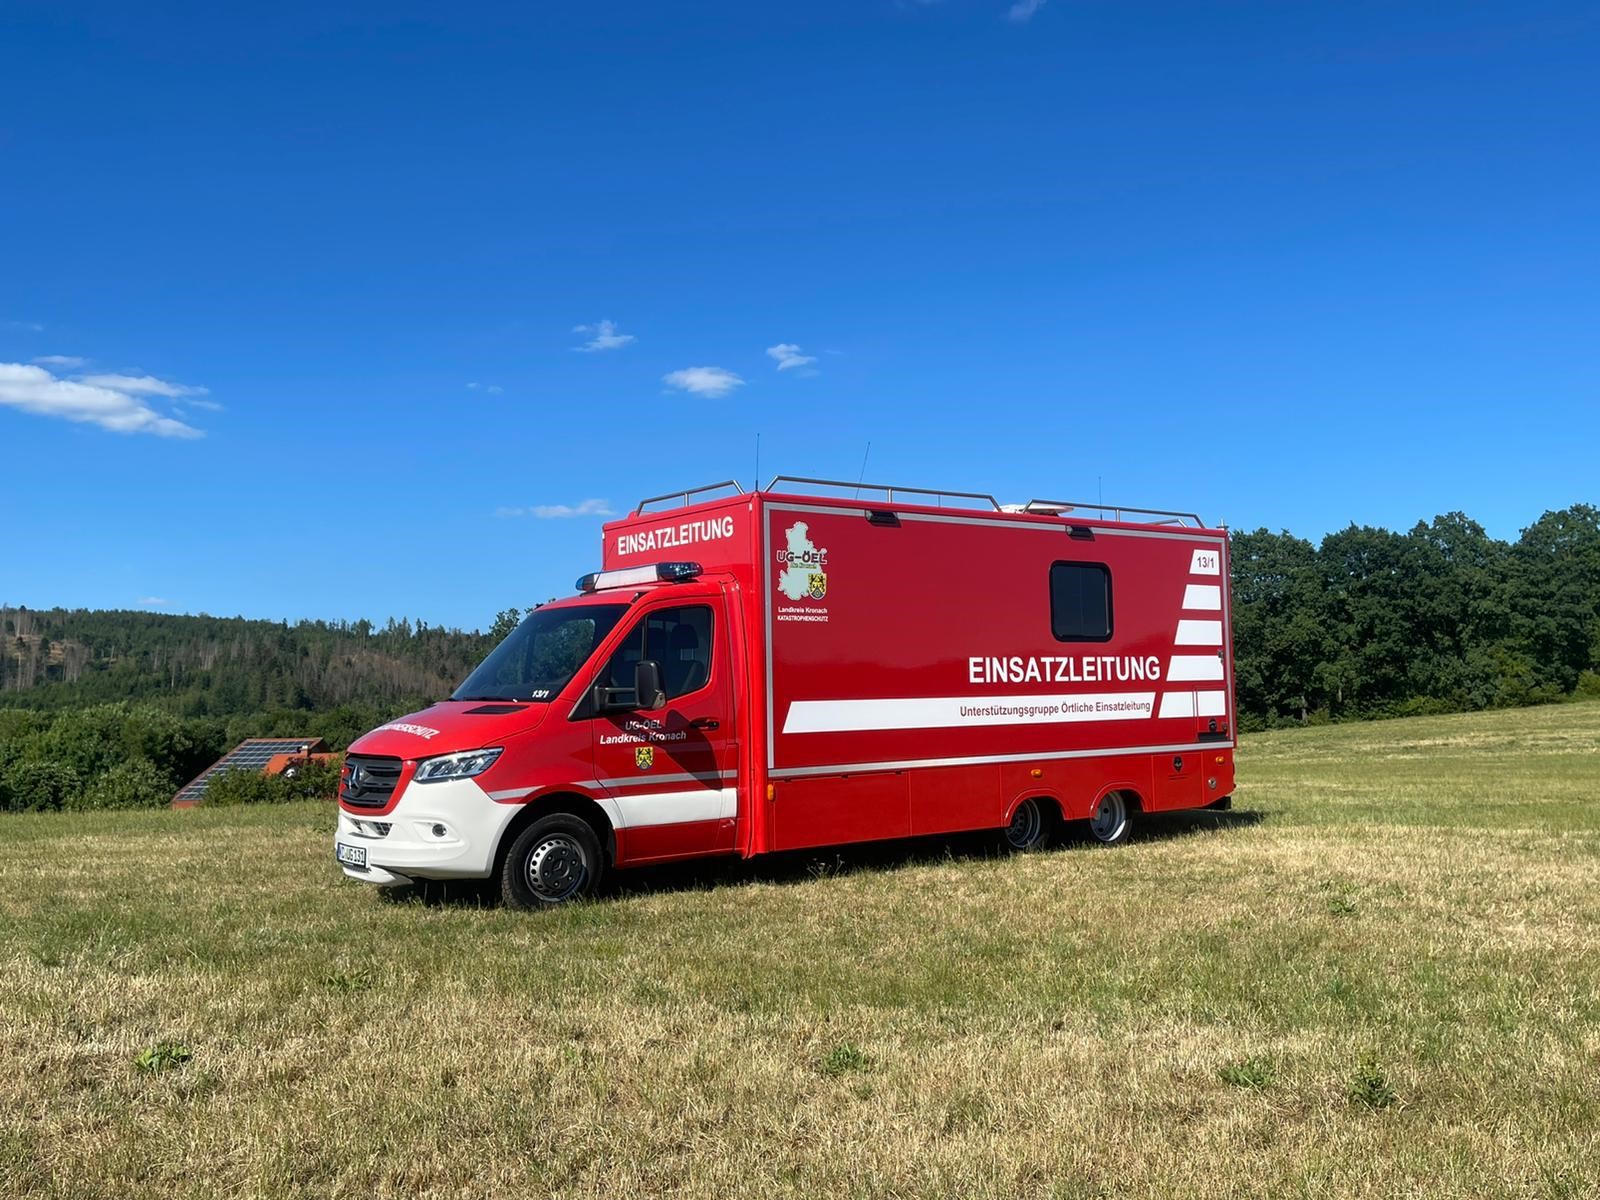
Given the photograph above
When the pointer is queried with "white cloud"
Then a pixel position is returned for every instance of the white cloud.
(493, 389)
(60, 360)
(605, 337)
(140, 385)
(1022, 11)
(30, 326)
(788, 356)
(119, 409)
(703, 381)
(153, 602)
(547, 512)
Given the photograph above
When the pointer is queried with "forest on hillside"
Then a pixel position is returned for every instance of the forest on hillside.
(202, 666)
(117, 709)
(1368, 623)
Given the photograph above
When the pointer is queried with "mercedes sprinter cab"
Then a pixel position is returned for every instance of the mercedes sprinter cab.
(788, 668)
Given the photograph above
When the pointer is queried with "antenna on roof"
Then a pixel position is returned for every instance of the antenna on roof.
(758, 463)
(863, 474)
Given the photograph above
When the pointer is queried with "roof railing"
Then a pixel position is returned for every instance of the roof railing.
(889, 490)
(1123, 512)
(1037, 507)
(687, 492)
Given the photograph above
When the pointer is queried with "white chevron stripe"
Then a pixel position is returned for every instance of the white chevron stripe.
(1199, 633)
(1202, 597)
(1193, 704)
(1177, 704)
(1189, 668)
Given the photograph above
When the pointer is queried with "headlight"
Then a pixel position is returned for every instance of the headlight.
(455, 766)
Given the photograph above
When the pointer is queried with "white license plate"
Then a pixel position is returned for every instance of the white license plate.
(351, 856)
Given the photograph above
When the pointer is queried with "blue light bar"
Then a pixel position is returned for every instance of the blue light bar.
(662, 572)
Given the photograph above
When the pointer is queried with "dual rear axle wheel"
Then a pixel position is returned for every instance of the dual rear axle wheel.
(1033, 824)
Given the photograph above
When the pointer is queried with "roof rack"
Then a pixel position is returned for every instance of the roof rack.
(888, 490)
(1037, 507)
(687, 492)
(1123, 512)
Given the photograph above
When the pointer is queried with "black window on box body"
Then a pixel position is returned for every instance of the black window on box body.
(1080, 602)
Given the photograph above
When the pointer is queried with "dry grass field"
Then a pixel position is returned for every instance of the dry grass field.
(1379, 977)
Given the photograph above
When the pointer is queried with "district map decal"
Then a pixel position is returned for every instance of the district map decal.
(804, 576)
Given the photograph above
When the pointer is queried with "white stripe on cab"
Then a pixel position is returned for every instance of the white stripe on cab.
(670, 808)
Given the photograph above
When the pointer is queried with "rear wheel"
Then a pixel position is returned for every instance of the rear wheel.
(1111, 820)
(554, 861)
(1029, 828)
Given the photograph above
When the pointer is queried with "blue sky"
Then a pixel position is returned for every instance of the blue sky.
(1292, 265)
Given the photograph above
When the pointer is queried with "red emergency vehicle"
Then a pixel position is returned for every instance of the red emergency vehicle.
(799, 666)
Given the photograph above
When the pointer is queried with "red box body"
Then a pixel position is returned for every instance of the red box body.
(892, 669)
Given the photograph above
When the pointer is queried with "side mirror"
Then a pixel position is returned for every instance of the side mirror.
(647, 690)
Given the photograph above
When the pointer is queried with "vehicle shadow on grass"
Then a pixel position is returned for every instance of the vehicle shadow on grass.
(798, 867)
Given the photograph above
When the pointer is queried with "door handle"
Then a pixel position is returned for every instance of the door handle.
(705, 723)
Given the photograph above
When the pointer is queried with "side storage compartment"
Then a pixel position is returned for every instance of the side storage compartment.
(834, 809)
(952, 799)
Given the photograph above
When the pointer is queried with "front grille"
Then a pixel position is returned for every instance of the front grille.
(369, 780)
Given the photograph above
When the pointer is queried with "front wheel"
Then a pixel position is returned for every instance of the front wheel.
(554, 861)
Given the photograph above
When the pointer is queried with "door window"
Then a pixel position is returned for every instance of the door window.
(677, 638)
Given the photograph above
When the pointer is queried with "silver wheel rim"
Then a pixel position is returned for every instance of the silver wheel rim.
(1109, 818)
(1025, 825)
(556, 868)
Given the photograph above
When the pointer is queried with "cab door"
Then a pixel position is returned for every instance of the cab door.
(671, 774)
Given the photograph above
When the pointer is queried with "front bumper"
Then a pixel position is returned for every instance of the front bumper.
(448, 830)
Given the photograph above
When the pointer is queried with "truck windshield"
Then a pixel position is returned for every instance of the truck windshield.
(540, 656)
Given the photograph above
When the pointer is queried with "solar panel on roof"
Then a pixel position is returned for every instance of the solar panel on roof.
(250, 755)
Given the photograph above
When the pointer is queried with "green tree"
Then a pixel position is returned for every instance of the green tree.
(1281, 636)
(1554, 595)
(1367, 661)
(242, 786)
(38, 786)
(136, 783)
(504, 623)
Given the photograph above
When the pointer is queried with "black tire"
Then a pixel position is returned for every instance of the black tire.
(1112, 820)
(1031, 827)
(554, 861)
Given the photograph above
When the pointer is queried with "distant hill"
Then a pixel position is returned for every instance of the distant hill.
(1368, 623)
(197, 666)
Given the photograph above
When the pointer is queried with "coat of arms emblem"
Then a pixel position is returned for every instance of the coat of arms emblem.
(644, 757)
